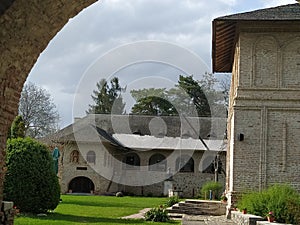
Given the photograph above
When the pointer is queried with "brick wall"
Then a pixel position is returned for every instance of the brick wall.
(265, 107)
(25, 31)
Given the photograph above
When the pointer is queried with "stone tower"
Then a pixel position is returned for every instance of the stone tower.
(262, 50)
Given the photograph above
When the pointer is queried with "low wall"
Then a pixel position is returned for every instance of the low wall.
(268, 223)
(245, 219)
(248, 219)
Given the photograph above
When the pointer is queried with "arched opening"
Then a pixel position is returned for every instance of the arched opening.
(157, 162)
(81, 185)
(185, 164)
(131, 161)
(91, 157)
(74, 156)
(22, 48)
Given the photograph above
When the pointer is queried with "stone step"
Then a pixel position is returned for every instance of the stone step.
(175, 216)
(198, 207)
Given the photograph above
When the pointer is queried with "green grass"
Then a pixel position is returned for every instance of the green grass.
(95, 210)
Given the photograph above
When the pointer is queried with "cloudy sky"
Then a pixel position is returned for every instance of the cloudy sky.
(98, 43)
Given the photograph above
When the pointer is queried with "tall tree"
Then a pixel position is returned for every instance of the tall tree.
(38, 111)
(107, 98)
(189, 97)
(196, 94)
(152, 102)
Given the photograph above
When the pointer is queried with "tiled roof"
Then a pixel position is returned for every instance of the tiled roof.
(284, 12)
(84, 129)
(225, 31)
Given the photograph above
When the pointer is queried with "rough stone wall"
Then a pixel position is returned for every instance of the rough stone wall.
(187, 182)
(25, 30)
(265, 107)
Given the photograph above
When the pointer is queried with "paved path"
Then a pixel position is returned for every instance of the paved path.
(139, 215)
(190, 220)
(206, 220)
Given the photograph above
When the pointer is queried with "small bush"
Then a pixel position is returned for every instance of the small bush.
(157, 215)
(215, 187)
(171, 201)
(282, 200)
(30, 181)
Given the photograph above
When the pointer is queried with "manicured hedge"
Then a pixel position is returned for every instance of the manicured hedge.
(30, 181)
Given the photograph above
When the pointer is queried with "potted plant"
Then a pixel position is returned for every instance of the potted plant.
(223, 198)
(270, 216)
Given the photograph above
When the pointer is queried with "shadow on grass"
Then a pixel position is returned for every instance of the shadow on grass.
(85, 203)
(83, 219)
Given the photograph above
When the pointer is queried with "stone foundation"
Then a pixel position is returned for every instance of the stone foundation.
(245, 219)
(7, 213)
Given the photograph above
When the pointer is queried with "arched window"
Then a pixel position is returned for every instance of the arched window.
(157, 162)
(74, 156)
(185, 163)
(91, 157)
(131, 161)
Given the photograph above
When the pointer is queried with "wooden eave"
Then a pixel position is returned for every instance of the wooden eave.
(226, 33)
(224, 38)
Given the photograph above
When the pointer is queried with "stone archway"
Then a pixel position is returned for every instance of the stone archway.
(25, 31)
(81, 185)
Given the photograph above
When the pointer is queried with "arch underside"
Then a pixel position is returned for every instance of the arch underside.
(25, 31)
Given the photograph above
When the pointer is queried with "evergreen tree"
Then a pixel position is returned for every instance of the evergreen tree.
(17, 128)
(107, 98)
(30, 181)
(186, 98)
(152, 102)
(196, 94)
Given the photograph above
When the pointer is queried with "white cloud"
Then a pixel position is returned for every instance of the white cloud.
(271, 3)
(110, 23)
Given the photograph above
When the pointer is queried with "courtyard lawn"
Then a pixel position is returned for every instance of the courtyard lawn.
(104, 210)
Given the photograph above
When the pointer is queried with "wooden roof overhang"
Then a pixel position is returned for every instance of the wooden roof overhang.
(226, 30)
(224, 39)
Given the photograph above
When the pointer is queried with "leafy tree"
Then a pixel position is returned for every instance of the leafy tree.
(30, 181)
(107, 98)
(152, 102)
(186, 98)
(38, 111)
(189, 97)
(17, 128)
(196, 94)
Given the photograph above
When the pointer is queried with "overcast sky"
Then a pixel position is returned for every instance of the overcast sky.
(97, 36)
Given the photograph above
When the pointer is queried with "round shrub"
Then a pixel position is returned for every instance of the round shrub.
(30, 181)
(213, 186)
